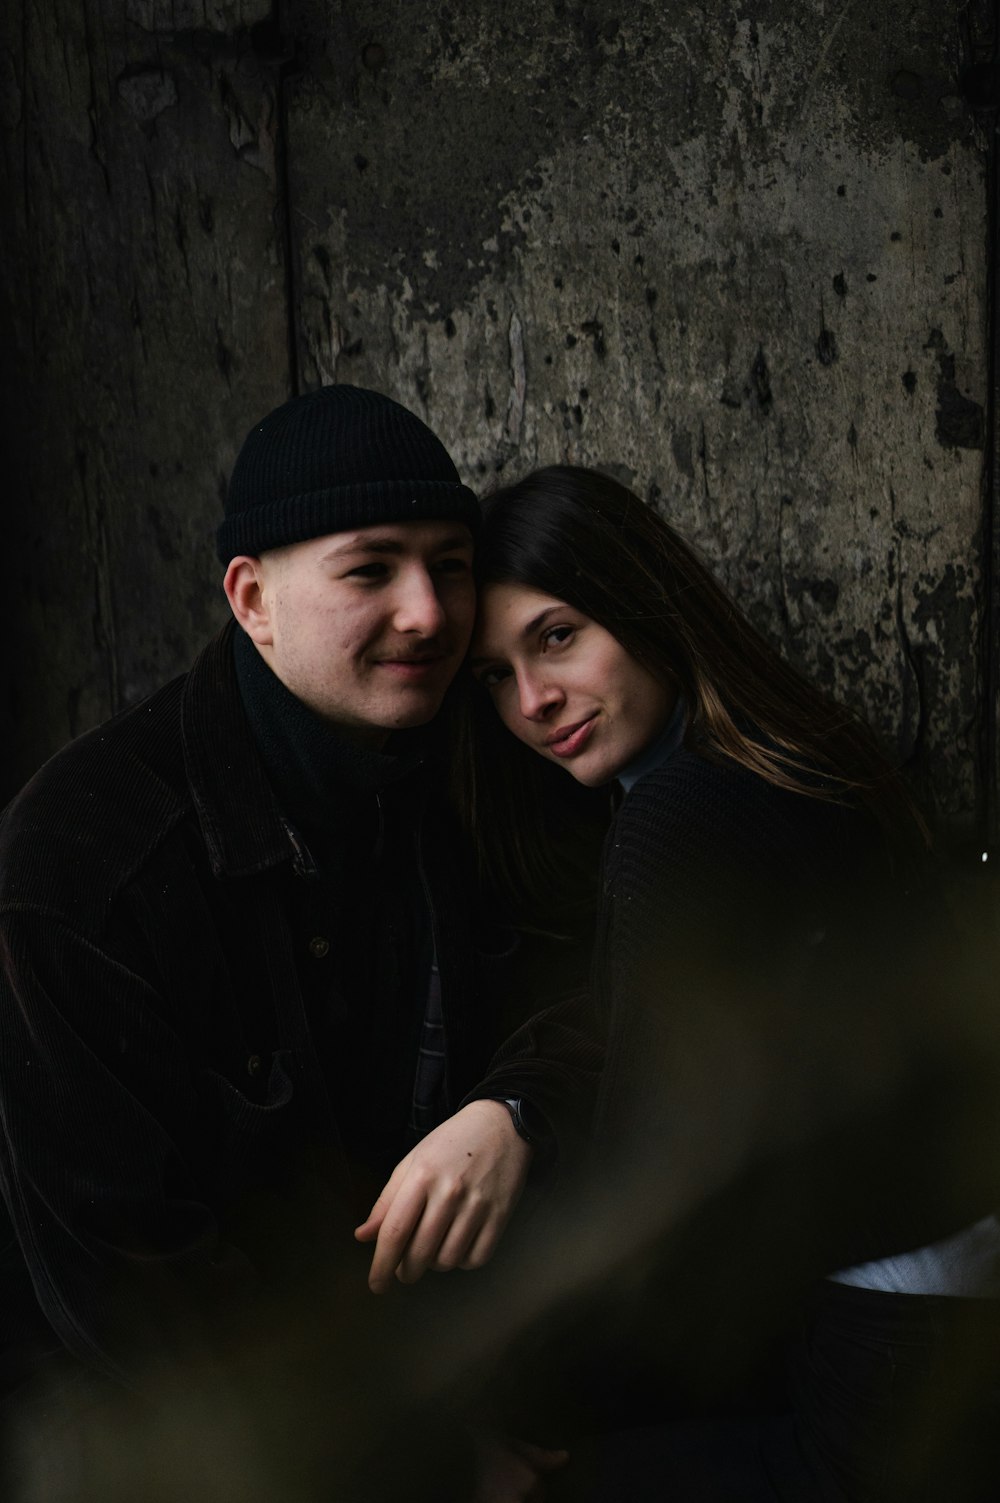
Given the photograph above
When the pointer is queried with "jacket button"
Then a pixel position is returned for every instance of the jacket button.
(253, 1064)
(319, 947)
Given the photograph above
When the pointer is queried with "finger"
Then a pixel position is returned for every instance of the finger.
(394, 1235)
(442, 1220)
(370, 1226)
(482, 1248)
(368, 1230)
(459, 1239)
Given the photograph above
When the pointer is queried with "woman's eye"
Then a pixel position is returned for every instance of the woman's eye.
(556, 635)
(491, 677)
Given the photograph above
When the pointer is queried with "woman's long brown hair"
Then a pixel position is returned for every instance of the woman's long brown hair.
(582, 537)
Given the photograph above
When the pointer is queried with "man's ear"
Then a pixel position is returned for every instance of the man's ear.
(244, 587)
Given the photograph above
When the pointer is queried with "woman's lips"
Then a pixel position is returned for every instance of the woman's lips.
(566, 742)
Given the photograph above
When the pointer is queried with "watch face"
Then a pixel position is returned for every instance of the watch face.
(532, 1124)
(538, 1125)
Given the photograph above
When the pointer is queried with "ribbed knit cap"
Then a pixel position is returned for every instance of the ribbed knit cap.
(337, 458)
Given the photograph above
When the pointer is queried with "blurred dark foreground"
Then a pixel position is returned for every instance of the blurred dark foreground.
(789, 1119)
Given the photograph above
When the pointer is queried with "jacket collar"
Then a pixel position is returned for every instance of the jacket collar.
(241, 823)
(244, 828)
(322, 778)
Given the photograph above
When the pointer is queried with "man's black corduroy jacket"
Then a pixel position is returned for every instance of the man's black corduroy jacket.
(158, 1071)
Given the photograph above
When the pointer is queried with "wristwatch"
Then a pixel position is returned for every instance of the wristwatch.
(528, 1121)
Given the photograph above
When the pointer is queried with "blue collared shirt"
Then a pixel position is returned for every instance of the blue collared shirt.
(659, 751)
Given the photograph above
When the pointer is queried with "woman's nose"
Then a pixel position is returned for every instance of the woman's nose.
(538, 696)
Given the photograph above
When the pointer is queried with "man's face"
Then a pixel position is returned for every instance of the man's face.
(368, 627)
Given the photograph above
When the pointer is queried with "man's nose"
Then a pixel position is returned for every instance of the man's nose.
(538, 696)
(418, 606)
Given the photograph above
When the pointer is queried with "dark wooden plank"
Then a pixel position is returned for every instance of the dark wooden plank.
(145, 331)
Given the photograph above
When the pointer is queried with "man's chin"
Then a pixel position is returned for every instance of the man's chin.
(419, 709)
(413, 719)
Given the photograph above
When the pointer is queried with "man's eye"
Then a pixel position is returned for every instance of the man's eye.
(454, 565)
(368, 571)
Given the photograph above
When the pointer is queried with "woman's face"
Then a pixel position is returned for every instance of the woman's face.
(565, 687)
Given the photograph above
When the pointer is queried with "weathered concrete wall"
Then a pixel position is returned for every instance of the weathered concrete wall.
(737, 253)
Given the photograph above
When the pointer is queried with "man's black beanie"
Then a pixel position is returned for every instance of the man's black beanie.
(334, 459)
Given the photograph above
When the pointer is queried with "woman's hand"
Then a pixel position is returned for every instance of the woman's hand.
(446, 1204)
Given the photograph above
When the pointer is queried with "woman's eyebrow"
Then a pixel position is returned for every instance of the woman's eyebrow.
(530, 627)
(527, 630)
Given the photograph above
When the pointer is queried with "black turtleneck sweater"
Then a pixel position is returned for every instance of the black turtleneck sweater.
(356, 813)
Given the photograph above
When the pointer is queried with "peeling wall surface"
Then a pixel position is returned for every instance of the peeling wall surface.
(736, 254)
